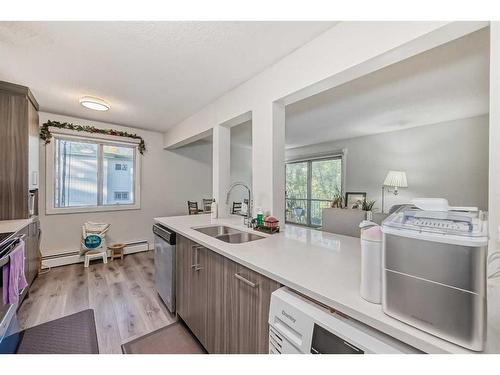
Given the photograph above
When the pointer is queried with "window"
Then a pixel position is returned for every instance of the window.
(310, 187)
(88, 174)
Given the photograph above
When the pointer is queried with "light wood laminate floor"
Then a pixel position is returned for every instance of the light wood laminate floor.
(122, 294)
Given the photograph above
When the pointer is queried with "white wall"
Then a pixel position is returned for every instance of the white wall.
(494, 182)
(345, 52)
(448, 160)
(241, 159)
(241, 170)
(169, 179)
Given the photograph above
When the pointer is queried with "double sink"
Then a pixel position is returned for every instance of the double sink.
(228, 234)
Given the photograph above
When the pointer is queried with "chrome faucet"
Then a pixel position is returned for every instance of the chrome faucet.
(248, 218)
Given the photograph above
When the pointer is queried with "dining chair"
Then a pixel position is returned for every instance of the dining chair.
(193, 208)
(207, 205)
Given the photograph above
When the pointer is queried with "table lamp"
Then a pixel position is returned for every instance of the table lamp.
(394, 179)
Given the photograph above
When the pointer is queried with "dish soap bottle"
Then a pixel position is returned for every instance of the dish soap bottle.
(260, 217)
(213, 210)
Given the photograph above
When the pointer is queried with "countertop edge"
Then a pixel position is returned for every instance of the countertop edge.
(14, 225)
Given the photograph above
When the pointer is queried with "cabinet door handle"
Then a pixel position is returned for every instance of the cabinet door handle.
(193, 259)
(195, 264)
(197, 267)
(245, 280)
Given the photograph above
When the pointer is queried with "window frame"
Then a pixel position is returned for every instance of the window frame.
(101, 140)
(341, 155)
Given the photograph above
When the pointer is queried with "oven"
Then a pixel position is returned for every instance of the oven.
(9, 329)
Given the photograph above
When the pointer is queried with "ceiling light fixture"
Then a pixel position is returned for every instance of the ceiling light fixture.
(94, 103)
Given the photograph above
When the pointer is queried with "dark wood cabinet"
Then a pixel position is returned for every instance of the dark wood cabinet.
(183, 279)
(198, 292)
(215, 319)
(191, 294)
(32, 259)
(32, 251)
(248, 296)
(18, 150)
(225, 304)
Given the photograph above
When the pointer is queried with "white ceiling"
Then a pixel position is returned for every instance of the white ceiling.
(154, 74)
(445, 83)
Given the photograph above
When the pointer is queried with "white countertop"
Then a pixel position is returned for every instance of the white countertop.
(325, 267)
(7, 226)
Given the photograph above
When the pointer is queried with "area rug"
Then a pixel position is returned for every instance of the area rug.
(172, 339)
(72, 334)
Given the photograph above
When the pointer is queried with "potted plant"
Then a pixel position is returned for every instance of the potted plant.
(368, 207)
(338, 199)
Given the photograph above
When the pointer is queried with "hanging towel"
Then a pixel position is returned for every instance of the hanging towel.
(14, 279)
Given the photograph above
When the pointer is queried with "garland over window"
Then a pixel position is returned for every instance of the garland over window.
(46, 135)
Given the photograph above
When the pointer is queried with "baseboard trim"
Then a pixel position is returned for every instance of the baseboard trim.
(64, 259)
(137, 247)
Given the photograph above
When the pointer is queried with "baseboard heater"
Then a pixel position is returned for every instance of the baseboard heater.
(72, 257)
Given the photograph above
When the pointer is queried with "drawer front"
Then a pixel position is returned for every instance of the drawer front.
(459, 266)
(449, 313)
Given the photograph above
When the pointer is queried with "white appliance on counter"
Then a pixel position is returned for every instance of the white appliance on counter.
(434, 270)
(300, 326)
(371, 262)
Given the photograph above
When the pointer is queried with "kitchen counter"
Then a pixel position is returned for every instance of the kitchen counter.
(325, 267)
(7, 226)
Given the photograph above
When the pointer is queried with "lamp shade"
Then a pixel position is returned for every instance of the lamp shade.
(396, 179)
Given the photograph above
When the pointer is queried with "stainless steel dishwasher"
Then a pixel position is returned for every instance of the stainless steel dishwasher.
(165, 264)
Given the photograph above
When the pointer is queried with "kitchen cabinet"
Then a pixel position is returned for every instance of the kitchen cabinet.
(32, 251)
(248, 296)
(32, 258)
(215, 319)
(181, 281)
(198, 292)
(184, 282)
(225, 304)
(19, 148)
(191, 286)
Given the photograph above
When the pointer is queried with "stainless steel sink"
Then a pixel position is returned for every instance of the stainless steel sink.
(228, 234)
(239, 237)
(217, 230)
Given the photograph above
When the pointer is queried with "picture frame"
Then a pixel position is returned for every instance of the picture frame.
(354, 200)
